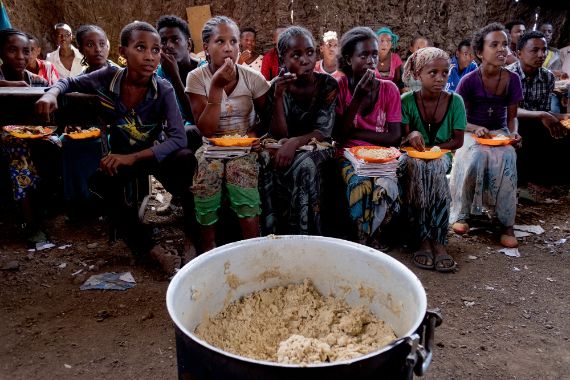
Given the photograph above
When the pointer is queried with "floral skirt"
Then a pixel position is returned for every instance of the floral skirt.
(236, 178)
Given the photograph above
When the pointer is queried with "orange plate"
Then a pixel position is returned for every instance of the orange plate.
(232, 141)
(84, 135)
(426, 155)
(11, 129)
(491, 142)
(565, 123)
(355, 150)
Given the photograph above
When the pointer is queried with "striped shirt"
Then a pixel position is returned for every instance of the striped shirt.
(536, 89)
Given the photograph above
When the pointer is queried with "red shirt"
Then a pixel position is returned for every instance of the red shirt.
(270, 64)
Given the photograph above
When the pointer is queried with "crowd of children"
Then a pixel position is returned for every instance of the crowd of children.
(165, 100)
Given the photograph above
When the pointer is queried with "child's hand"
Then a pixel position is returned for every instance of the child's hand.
(416, 140)
(111, 163)
(283, 82)
(225, 74)
(244, 56)
(481, 132)
(169, 65)
(367, 84)
(285, 154)
(46, 105)
(517, 140)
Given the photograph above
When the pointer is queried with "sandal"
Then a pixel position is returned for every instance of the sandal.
(461, 227)
(427, 255)
(439, 263)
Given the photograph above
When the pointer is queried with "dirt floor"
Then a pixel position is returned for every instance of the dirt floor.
(504, 317)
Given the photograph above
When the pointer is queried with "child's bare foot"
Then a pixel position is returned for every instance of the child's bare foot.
(443, 261)
(508, 238)
(168, 262)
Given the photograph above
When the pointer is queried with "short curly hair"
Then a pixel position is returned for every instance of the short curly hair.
(128, 30)
(478, 40)
(528, 36)
(171, 21)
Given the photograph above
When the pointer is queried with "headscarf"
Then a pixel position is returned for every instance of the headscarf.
(330, 35)
(388, 31)
(419, 59)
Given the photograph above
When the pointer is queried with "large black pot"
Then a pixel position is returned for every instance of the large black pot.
(392, 292)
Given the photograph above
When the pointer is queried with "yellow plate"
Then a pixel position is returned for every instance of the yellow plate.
(13, 131)
(232, 141)
(425, 155)
(84, 135)
(491, 142)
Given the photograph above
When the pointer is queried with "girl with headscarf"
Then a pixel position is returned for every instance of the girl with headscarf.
(431, 117)
(389, 62)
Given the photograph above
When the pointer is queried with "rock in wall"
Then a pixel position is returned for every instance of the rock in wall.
(445, 22)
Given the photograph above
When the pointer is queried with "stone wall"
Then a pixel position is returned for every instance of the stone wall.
(445, 22)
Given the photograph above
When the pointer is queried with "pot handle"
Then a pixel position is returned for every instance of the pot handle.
(426, 332)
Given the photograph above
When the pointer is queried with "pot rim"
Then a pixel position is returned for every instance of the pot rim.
(176, 280)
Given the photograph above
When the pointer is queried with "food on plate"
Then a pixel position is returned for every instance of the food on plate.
(500, 137)
(565, 123)
(25, 131)
(435, 149)
(375, 153)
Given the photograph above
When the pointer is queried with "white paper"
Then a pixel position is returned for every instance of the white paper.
(511, 252)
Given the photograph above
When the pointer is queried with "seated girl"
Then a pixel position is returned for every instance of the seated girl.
(301, 105)
(484, 181)
(81, 157)
(225, 99)
(21, 154)
(431, 117)
(368, 113)
(139, 107)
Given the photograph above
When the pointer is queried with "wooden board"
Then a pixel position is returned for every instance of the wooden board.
(197, 17)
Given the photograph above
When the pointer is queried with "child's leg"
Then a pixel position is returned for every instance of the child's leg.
(241, 181)
(175, 173)
(207, 188)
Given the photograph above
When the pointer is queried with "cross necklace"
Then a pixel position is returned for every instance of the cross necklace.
(490, 110)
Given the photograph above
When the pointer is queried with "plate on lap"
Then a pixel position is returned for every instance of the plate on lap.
(427, 154)
(498, 140)
(232, 141)
(375, 154)
(29, 132)
(81, 134)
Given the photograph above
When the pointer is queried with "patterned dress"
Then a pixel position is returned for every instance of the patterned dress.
(371, 200)
(23, 172)
(291, 198)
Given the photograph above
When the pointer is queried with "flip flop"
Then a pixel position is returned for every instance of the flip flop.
(423, 253)
(439, 260)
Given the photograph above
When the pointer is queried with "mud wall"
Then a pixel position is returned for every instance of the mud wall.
(445, 22)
